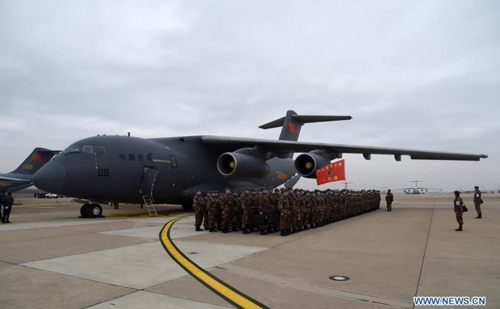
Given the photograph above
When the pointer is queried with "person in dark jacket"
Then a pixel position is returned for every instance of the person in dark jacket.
(2, 195)
(7, 203)
(389, 198)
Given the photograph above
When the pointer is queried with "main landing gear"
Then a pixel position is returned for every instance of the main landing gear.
(91, 210)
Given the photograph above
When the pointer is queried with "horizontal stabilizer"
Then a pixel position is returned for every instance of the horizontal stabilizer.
(303, 119)
(7, 178)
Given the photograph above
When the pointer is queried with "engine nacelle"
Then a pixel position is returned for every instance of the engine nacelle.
(240, 165)
(306, 164)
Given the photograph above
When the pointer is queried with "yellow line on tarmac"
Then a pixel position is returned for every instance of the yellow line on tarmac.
(217, 286)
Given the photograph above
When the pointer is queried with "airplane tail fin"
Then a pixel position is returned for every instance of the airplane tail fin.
(37, 158)
(292, 123)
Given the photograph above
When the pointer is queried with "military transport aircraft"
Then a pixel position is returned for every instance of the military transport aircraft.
(169, 170)
(21, 177)
(417, 189)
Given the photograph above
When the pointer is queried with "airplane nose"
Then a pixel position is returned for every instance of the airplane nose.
(50, 178)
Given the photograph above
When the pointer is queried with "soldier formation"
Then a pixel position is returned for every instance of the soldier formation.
(287, 211)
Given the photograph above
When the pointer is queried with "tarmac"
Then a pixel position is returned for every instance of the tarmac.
(50, 258)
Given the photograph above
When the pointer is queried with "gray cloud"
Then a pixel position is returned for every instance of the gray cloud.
(420, 75)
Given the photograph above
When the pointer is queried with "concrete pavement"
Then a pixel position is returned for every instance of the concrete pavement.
(55, 260)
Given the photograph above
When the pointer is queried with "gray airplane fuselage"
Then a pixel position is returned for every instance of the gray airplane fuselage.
(113, 171)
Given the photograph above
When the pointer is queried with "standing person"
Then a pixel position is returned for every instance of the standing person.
(225, 202)
(7, 203)
(2, 195)
(458, 208)
(198, 210)
(477, 202)
(389, 198)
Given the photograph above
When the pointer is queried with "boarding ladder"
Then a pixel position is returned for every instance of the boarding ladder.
(149, 202)
(146, 189)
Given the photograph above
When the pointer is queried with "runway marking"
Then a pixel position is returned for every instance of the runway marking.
(145, 215)
(219, 287)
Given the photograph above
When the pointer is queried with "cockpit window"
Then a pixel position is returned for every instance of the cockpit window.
(87, 149)
(73, 149)
(99, 150)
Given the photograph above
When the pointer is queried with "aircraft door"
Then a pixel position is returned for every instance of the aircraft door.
(148, 181)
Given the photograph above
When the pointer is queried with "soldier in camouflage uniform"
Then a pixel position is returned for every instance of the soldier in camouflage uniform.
(263, 206)
(203, 201)
(236, 212)
(477, 202)
(225, 202)
(458, 208)
(283, 208)
(247, 210)
(198, 209)
(254, 210)
(213, 205)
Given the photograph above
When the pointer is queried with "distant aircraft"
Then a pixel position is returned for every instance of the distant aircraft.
(417, 189)
(21, 177)
(169, 170)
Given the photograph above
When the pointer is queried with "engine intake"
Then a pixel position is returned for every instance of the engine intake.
(306, 164)
(239, 165)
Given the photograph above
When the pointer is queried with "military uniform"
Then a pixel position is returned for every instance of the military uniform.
(389, 198)
(1, 207)
(246, 208)
(7, 203)
(225, 202)
(477, 202)
(198, 206)
(283, 208)
(212, 206)
(236, 212)
(458, 208)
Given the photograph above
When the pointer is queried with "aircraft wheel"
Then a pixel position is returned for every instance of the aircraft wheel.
(187, 206)
(94, 211)
(83, 210)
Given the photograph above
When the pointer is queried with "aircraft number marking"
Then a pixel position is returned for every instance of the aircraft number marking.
(103, 172)
(27, 166)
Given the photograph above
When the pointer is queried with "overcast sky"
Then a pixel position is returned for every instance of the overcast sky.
(412, 74)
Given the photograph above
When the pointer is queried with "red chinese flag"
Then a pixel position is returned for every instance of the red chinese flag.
(332, 172)
(291, 128)
(36, 157)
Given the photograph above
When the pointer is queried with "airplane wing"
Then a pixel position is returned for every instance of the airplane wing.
(292, 146)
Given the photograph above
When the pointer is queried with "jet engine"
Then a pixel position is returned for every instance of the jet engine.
(306, 164)
(242, 164)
